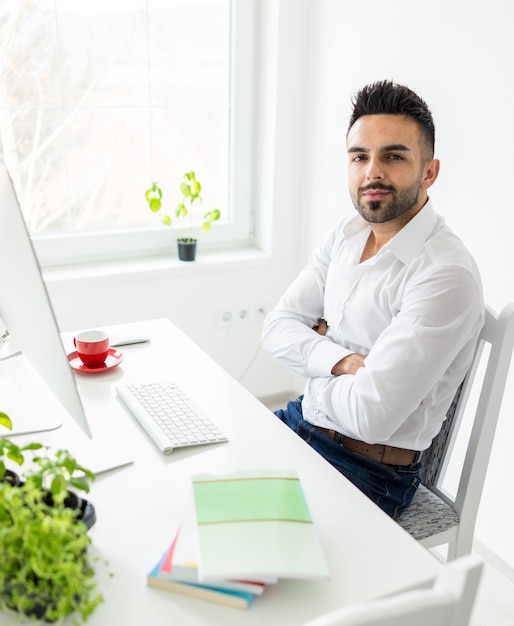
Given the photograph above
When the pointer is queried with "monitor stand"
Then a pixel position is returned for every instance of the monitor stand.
(25, 413)
(26, 418)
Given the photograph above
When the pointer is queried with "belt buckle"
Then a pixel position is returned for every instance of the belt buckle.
(418, 456)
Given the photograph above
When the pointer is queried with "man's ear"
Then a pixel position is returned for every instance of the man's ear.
(431, 171)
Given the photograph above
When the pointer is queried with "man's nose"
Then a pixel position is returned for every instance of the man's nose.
(374, 170)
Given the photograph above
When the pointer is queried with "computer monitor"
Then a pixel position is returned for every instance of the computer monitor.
(27, 314)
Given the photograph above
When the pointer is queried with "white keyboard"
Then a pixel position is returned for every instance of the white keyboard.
(168, 416)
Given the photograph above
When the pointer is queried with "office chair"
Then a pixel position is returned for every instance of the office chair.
(435, 517)
(448, 602)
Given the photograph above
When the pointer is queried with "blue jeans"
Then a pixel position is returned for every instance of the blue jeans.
(391, 487)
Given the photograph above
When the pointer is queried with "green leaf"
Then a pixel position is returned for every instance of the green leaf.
(181, 210)
(80, 483)
(166, 220)
(153, 192)
(154, 204)
(33, 446)
(68, 462)
(58, 485)
(5, 421)
(212, 216)
(186, 190)
(88, 473)
(15, 455)
(153, 196)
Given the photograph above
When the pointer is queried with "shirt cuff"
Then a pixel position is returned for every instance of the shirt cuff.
(323, 358)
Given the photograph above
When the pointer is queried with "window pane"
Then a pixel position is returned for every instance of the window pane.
(98, 99)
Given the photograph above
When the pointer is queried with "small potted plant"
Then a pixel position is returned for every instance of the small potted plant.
(190, 188)
(45, 571)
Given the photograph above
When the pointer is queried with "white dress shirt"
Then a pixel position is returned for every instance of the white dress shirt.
(415, 309)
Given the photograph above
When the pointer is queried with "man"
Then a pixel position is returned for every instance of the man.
(384, 319)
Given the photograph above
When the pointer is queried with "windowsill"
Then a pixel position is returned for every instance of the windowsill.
(206, 261)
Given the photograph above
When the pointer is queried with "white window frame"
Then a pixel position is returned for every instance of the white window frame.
(74, 248)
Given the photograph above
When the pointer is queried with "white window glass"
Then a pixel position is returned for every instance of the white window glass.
(99, 99)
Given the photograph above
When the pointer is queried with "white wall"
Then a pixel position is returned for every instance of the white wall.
(458, 56)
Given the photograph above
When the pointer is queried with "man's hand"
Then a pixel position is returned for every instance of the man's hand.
(350, 364)
(321, 326)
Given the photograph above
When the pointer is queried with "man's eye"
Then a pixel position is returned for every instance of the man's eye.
(358, 158)
(395, 157)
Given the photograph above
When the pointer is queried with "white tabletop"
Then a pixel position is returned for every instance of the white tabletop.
(140, 506)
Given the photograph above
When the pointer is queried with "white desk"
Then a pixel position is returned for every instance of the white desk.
(139, 507)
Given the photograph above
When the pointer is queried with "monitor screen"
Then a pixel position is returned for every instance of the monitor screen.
(27, 315)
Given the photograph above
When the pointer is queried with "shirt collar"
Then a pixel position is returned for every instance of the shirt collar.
(405, 244)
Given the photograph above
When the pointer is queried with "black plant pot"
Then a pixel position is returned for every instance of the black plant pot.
(186, 249)
(86, 511)
(11, 477)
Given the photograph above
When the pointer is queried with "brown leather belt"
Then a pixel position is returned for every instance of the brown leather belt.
(375, 451)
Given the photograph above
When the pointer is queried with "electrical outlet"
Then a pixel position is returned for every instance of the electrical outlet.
(239, 315)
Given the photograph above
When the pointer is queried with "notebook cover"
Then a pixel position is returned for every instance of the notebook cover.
(252, 525)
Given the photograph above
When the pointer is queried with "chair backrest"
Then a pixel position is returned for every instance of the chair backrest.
(448, 603)
(436, 516)
(498, 331)
(434, 457)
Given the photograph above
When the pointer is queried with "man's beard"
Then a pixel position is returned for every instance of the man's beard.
(395, 204)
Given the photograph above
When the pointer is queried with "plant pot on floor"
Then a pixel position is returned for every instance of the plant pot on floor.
(186, 249)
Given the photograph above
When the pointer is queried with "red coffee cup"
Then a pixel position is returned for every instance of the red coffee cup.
(92, 347)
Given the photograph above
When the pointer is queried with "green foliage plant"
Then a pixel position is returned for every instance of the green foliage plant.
(45, 571)
(5, 420)
(190, 189)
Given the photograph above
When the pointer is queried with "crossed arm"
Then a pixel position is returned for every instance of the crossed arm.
(347, 365)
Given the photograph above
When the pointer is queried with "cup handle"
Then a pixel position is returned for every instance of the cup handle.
(74, 342)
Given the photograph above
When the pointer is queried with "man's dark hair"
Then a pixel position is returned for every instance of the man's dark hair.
(389, 98)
